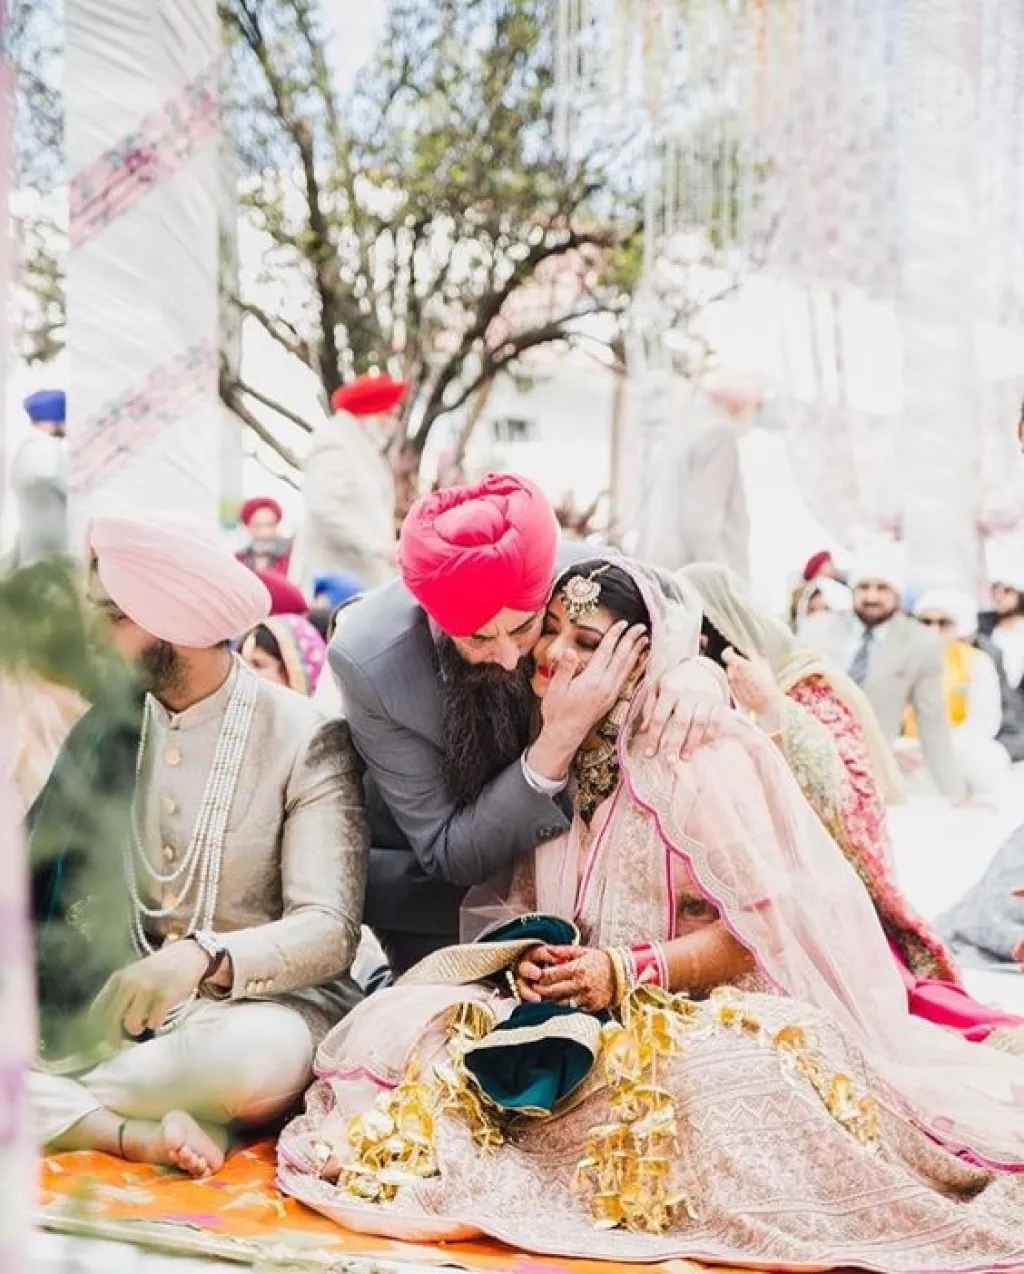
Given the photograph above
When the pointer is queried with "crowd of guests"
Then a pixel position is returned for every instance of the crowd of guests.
(945, 679)
(550, 865)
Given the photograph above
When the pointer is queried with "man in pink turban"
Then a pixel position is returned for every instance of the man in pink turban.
(434, 671)
(243, 867)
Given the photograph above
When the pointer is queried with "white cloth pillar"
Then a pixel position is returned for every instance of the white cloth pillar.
(942, 398)
(144, 421)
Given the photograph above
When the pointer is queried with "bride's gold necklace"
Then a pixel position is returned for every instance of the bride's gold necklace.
(596, 767)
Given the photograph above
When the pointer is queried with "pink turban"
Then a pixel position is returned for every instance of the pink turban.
(467, 553)
(176, 580)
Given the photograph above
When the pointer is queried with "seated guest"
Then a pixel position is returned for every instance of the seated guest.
(680, 1036)
(267, 549)
(330, 593)
(286, 598)
(1004, 629)
(972, 690)
(434, 671)
(288, 650)
(242, 875)
(895, 662)
(986, 927)
(820, 596)
(829, 735)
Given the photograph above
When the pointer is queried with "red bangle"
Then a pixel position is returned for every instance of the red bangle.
(649, 968)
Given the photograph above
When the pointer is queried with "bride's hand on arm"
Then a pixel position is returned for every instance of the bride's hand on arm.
(584, 977)
(684, 710)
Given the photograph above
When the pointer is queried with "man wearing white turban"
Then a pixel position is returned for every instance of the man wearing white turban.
(972, 689)
(243, 871)
(896, 662)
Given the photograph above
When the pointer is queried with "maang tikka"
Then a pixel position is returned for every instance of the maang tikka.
(581, 595)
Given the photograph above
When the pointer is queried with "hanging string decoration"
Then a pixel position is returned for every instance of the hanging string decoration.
(866, 159)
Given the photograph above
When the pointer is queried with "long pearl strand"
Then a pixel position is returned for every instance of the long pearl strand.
(202, 860)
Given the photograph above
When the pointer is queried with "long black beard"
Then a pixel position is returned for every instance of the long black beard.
(486, 720)
(161, 669)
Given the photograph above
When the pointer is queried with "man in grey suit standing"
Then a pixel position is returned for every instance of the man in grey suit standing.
(896, 661)
(434, 673)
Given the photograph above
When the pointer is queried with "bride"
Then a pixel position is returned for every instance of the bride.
(681, 1035)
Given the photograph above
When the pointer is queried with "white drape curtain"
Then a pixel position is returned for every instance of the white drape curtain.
(144, 422)
(866, 156)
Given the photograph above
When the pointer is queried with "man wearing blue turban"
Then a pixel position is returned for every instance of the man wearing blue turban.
(39, 480)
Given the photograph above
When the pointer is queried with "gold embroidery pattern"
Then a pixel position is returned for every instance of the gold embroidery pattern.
(627, 1168)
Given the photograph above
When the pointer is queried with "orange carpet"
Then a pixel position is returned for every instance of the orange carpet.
(238, 1214)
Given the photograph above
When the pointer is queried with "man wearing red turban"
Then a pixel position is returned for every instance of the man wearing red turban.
(434, 672)
(350, 486)
(267, 550)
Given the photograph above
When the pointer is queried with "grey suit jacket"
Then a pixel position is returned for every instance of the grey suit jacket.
(426, 850)
(905, 670)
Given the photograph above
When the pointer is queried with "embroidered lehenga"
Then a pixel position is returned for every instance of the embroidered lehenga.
(799, 1119)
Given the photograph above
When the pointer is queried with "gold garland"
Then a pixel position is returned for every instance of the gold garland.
(460, 1095)
(628, 1166)
(392, 1144)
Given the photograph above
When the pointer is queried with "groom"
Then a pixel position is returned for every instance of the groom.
(435, 670)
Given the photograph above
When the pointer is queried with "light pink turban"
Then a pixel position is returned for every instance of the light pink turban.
(176, 580)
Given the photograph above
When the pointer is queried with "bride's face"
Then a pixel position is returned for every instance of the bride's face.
(560, 635)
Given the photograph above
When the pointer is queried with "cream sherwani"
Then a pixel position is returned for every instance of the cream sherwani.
(289, 907)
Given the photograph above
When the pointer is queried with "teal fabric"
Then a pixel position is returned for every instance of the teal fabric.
(553, 931)
(532, 1076)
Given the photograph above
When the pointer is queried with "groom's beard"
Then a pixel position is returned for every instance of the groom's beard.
(486, 721)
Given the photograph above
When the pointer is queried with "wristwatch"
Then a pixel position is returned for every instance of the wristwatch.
(215, 950)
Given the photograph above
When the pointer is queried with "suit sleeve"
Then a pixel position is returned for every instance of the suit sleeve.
(324, 854)
(933, 727)
(464, 846)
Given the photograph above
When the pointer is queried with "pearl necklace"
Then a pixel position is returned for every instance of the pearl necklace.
(202, 860)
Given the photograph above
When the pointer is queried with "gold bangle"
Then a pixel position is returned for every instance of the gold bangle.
(619, 974)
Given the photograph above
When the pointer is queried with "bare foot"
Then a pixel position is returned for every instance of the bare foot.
(177, 1141)
(189, 1147)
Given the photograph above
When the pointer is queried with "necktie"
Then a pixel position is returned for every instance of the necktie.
(859, 667)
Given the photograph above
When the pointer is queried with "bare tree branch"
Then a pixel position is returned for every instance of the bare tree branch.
(264, 400)
(293, 344)
(230, 398)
